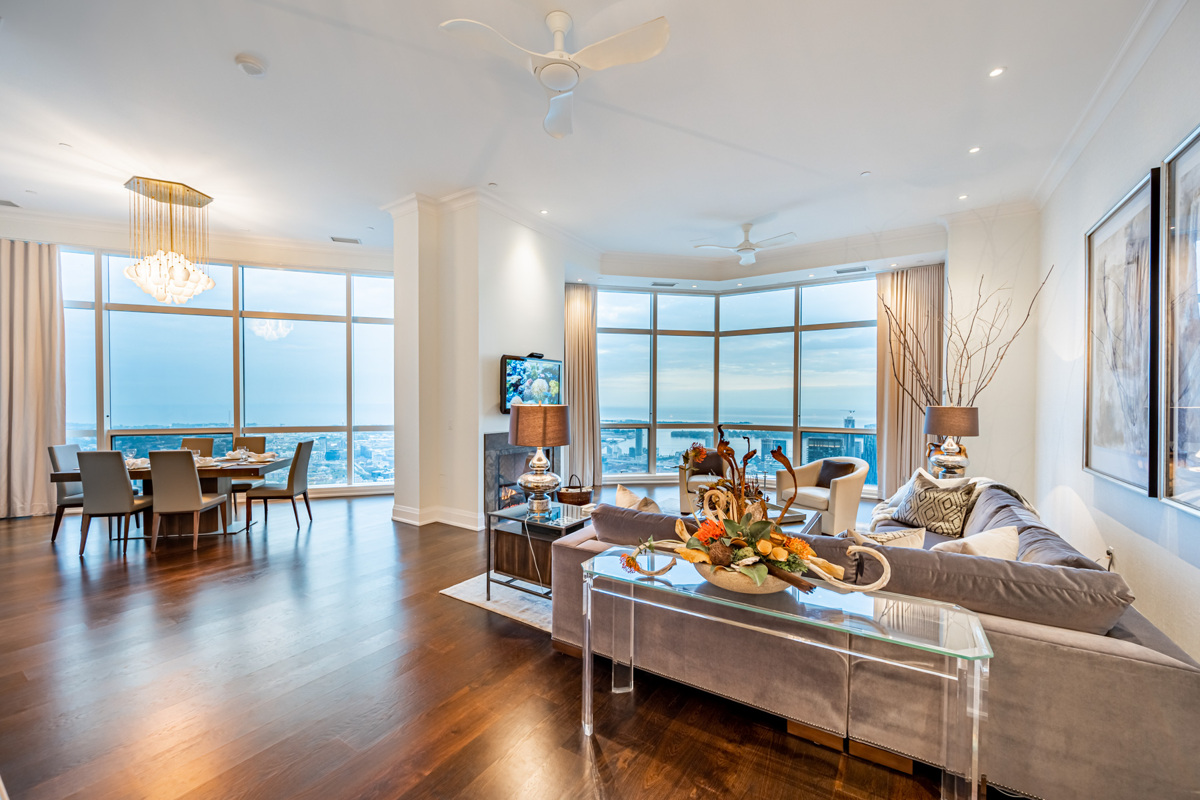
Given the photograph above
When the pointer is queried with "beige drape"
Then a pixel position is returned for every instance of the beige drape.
(582, 390)
(32, 388)
(915, 297)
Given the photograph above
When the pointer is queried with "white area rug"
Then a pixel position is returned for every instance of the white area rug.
(525, 608)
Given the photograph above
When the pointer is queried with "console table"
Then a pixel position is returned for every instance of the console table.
(915, 625)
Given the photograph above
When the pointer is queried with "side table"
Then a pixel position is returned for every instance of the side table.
(518, 546)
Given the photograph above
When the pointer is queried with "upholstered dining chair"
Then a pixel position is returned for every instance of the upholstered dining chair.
(202, 443)
(255, 444)
(177, 491)
(69, 495)
(297, 486)
(107, 490)
(833, 486)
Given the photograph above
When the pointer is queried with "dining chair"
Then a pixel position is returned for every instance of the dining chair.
(297, 486)
(255, 444)
(107, 490)
(177, 491)
(69, 495)
(202, 443)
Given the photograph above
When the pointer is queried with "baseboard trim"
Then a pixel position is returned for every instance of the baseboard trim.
(428, 515)
(880, 756)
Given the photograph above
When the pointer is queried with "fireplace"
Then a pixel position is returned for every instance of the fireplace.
(503, 464)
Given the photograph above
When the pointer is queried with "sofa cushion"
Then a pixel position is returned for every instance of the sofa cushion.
(995, 508)
(832, 470)
(811, 497)
(1084, 600)
(628, 527)
(1041, 546)
(935, 509)
(996, 543)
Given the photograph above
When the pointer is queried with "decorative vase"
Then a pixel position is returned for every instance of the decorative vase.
(739, 582)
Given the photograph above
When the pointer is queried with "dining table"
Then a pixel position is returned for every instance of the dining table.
(215, 478)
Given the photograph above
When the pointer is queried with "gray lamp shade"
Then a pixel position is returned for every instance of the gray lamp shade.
(951, 421)
(539, 426)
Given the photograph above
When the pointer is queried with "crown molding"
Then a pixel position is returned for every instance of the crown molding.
(485, 199)
(411, 204)
(1143, 38)
(92, 233)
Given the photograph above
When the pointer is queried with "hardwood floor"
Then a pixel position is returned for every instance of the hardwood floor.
(323, 663)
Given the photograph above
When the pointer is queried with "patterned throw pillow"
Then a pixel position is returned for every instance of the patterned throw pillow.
(897, 537)
(935, 509)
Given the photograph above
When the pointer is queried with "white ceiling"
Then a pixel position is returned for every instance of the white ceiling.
(755, 109)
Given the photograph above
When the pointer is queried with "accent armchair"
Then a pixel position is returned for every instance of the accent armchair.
(711, 469)
(817, 489)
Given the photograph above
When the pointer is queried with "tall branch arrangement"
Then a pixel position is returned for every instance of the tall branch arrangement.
(975, 345)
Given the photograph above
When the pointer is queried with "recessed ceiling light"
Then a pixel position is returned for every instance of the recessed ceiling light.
(493, 184)
(250, 65)
(543, 211)
(30, 191)
(64, 144)
(694, 285)
(865, 174)
(580, 280)
(996, 73)
(973, 150)
(739, 284)
(894, 265)
(370, 228)
(962, 197)
(812, 276)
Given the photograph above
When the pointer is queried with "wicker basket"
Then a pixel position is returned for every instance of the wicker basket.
(575, 493)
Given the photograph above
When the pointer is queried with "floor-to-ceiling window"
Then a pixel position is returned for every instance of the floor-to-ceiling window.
(792, 368)
(285, 353)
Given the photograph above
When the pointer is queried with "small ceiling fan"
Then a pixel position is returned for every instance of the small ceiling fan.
(746, 249)
(558, 71)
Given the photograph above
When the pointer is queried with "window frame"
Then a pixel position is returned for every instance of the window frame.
(104, 434)
(796, 329)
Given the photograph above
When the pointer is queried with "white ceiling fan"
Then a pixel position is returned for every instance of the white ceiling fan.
(558, 71)
(746, 249)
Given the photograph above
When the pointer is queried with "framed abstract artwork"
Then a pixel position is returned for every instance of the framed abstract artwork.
(1121, 413)
(1181, 328)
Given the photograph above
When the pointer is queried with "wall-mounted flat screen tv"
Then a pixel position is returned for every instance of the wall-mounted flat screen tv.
(529, 380)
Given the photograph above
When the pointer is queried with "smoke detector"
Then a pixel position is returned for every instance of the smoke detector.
(251, 65)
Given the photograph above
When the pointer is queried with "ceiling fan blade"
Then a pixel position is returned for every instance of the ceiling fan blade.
(488, 38)
(776, 241)
(636, 44)
(747, 258)
(558, 118)
(715, 246)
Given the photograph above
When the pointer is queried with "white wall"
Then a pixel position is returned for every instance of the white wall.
(1157, 549)
(1001, 246)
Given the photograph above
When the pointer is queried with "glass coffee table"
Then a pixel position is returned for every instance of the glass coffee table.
(915, 625)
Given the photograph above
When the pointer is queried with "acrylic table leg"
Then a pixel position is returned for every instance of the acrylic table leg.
(488, 575)
(964, 710)
(622, 639)
(587, 655)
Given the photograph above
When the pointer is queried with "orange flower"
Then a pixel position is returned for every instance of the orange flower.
(799, 547)
(710, 531)
(629, 562)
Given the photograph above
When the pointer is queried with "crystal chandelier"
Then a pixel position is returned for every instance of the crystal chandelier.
(168, 231)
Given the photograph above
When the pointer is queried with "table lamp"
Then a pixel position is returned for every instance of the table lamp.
(949, 459)
(539, 426)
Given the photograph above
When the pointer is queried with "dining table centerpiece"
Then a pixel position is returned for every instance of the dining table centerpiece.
(739, 547)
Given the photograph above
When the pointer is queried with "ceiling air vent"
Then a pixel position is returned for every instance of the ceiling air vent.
(848, 270)
(345, 240)
(8, 204)
(663, 284)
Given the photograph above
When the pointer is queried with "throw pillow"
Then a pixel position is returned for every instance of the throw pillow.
(832, 470)
(711, 464)
(935, 509)
(897, 537)
(627, 499)
(996, 543)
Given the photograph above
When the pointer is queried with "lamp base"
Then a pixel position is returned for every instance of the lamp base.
(947, 462)
(538, 484)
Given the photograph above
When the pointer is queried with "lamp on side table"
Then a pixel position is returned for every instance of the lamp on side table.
(949, 458)
(539, 426)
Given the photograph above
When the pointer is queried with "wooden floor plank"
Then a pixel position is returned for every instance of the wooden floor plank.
(323, 663)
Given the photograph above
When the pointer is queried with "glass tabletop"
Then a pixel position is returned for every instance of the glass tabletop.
(560, 515)
(929, 625)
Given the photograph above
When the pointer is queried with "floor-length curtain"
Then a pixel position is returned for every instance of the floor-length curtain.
(582, 390)
(32, 388)
(915, 299)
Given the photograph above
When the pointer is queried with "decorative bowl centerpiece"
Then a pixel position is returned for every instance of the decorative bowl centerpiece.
(739, 548)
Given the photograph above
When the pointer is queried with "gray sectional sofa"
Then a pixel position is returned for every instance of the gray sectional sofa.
(1086, 697)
